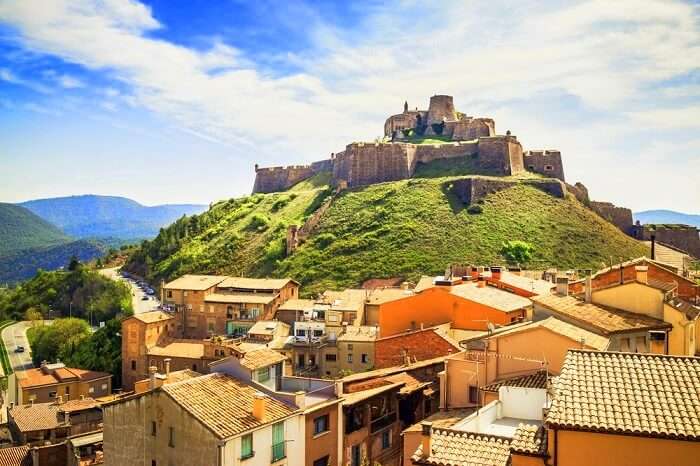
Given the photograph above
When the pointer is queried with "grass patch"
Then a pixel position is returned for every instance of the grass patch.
(4, 357)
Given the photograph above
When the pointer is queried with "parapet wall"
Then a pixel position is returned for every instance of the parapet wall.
(275, 179)
(621, 217)
(472, 190)
(544, 162)
(426, 153)
(684, 237)
(503, 155)
(363, 164)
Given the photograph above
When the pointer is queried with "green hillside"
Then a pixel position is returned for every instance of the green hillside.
(21, 229)
(397, 229)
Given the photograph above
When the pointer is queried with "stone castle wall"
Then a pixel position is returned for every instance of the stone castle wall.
(470, 128)
(503, 155)
(275, 179)
(442, 108)
(472, 190)
(684, 237)
(426, 153)
(621, 217)
(544, 162)
(362, 164)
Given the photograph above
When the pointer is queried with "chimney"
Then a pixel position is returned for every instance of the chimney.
(259, 402)
(152, 377)
(167, 367)
(338, 387)
(563, 286)
(59, 400)
(496, 273)
(589, 289)
(426, 431)
(300, 399)
(653, 247)
(642, 272)
(481, 283)
(404, 285)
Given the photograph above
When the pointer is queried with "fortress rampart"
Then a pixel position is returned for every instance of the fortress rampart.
(684, 237)
(472, 190)
(621, 217)
(544, 162)
(274, 179)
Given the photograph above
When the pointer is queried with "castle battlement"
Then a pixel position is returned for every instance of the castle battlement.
(363, 163)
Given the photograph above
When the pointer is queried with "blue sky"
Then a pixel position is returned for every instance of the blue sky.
(175, 101)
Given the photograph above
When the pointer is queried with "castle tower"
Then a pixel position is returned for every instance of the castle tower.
(405, 106)
(441, 109)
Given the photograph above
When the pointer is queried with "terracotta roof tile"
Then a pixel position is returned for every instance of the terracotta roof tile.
(224, 404)
(535, 380)
(15, 456)
(529, 439)
(37, 416)
(37, 377)
(491, 296)
(194, 282)
(152, 316)
(604, 319)
(459, 448)
(179, 349)
(691, 311)
(639, 394)
(255, 283)
(262, 357)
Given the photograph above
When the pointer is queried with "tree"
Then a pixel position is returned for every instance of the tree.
(101, 351)
(57, 341)
(74, 264)
(33, 315)
(517, 252)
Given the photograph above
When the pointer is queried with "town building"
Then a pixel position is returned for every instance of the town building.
(42, 423)
(507, 355)
(78, 450)
(414, 346)
(625, 408)
(48, 382)
(157, 379)
(212, 419)
(141, 332)
(206, 305)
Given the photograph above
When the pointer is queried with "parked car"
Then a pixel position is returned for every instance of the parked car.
(144, 298)
(19, 349)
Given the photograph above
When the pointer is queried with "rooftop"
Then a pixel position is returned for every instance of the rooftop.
(267, 327)
(346, 300)
(224, 404)
(535, 380)
(359, 333)
(262, 357)
(458, 448)
(179, 349)
(194, 282)
(604, 319)
(562, 328)
(490, 296)
(255, 283)
(385, 295)
(237, 298)
(16, 456)
(45, 416)
(534, 285)
(628, 393)
(297, 305)
(152, 316)
(38, 377)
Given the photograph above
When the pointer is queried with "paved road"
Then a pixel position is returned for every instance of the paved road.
(140, 306)
(13, 336)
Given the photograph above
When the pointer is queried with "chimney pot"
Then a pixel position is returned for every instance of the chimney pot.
(152, 377)
(496, 273)
(563, 286)
(259, 402)
(167, 367)
(426, 432)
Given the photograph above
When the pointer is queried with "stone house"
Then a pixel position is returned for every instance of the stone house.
(47, 383)
(212, 419)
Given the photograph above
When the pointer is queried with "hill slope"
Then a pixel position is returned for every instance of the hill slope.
(21, 229)
(667, 216)
(396, 229)
(92, 216)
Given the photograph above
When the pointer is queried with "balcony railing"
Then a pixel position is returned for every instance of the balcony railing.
(310, 340)
(382, 422)
(278, 451)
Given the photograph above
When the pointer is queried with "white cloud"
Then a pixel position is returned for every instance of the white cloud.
(610, 56)
(12, 78)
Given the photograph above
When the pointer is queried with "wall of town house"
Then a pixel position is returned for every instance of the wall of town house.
(324, 444)
(69, 391)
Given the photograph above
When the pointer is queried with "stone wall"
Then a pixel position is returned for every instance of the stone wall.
(472, 190)
(442, 108)
(544, 162)
(684, 237)
(501, 155)
(621, 217)
(580, 192)
(363, 164)
(426, 153)
(470, 128)
(406, 120)
(275, 179)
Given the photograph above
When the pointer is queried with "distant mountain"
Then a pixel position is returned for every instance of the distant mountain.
(91, 216)
(21, 229)
(22, 265)
(667, 216)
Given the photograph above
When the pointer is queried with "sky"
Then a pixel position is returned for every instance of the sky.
(172, 101)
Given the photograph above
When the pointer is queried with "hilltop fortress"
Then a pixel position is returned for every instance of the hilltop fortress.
(457, 136)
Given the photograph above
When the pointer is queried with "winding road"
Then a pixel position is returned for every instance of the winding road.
(139, 304)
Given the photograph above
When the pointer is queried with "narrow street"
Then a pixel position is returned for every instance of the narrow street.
(140, 305)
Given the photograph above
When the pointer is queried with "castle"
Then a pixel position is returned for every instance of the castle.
(459, 136)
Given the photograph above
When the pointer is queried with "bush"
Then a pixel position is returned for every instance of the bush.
(280, 203)
(517, 252)
(438, 128)
(275, 250)
(259, 222)
(475, 209)
(324, 240)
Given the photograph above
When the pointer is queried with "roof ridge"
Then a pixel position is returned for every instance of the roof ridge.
(645, 355)
(480, 435)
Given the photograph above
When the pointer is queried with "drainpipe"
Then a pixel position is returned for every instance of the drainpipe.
(556, 447)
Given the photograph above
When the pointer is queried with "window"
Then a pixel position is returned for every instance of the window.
(322, 461)
(331, 357)
(133, 365)
(170, 294)
(364, 358)
(264, 374)
(184, 293)
(386, 439)
(153, 428)
(350, 357)
(247, 446)
(104, 386)
(350, 347)
(625, 345)
(194, 367)
(91, 390)
(67, 389)
(52, 394)
(278, 451)
(355, 455)
(531, 168)
(321, 424)
(473, 394)
(548, 168)
(171, 436)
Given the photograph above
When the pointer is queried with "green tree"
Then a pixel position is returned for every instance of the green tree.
(517, 252)
(57, 341)
(33, 315)
(101, 351)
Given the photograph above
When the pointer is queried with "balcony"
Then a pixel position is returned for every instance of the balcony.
(278, 452)
(309, 340)
(382, 422)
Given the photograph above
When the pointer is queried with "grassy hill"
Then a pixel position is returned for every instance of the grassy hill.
(396, 229)
(21, 229)
(91, 216)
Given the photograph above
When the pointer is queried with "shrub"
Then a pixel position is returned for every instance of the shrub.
(275, 250)
(438, 127)
(280, 203)
(259, 222)
(324, 240)
(475, 209)
(517, 252)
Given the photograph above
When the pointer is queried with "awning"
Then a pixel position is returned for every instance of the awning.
(85, 440)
